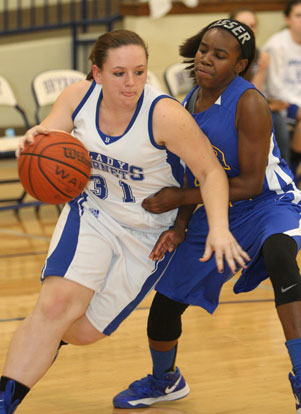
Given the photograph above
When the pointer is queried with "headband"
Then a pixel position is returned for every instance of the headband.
(237, 29)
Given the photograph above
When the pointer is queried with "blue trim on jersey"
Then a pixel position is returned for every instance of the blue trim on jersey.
(83, 101)
(148, 284)
(60, 259)
(108, 139)
(177, 167)
(187, 97)
(150, 121)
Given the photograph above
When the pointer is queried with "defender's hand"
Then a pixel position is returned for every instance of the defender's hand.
(167, 242)
(166, 199)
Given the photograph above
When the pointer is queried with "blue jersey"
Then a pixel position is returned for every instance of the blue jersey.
(218, 123)
(276, 210)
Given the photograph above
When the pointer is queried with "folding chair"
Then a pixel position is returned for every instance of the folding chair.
(7, 98)
(8, 146)
(46, 87)
(177, 80)
(152, 79)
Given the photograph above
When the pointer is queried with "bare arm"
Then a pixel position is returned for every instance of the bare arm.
(171, 238)
(275, 71)
(259, 77)
(60, 117)
(253, 151)
(253, 145)
(176, 129)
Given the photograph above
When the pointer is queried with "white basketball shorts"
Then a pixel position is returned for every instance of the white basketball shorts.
(89, 247)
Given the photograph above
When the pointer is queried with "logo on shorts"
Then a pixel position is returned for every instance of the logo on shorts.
(95, 212)
(283, 290)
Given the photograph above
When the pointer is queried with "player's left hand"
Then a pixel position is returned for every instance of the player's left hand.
(167, 242)
(225, 246)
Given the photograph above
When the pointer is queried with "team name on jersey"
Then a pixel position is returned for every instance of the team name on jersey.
(118, 168)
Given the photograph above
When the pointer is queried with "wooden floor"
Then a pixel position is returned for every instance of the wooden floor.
(234, 361)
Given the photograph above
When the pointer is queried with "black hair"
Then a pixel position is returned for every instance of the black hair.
(289, 5)
(242, 33)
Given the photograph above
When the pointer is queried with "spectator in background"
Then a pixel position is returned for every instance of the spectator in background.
(257, 74)
(283, 80)
(257, 70)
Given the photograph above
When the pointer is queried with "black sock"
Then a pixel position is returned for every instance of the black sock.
(20, 389)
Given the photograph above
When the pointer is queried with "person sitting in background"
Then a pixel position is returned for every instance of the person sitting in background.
(283, 80)
(257, 70)
(257, 74)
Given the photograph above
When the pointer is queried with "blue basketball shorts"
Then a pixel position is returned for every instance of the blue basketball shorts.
(190, 281)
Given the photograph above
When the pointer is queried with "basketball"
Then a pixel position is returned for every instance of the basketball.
(55, 168)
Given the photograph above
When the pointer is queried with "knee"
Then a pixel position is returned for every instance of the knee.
(279, 252)
(165, 319)
(55, 306)
(58, 301)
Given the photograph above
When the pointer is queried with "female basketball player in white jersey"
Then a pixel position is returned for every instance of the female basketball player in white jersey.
(264, 214)
(98, 258)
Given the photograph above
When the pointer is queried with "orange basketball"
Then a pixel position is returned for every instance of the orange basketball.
(55, 168)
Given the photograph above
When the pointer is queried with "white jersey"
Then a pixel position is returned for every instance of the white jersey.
(283, 79)
(129, 168)
(103, 237)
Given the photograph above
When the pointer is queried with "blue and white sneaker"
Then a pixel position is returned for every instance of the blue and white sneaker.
(149, 390)
(6, 405)
(296, 387)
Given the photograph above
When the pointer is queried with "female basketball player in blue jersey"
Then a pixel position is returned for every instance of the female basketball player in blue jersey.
(98, 267)
(264, 213)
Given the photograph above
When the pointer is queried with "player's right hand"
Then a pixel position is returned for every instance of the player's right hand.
(28, 138)
(226, 248)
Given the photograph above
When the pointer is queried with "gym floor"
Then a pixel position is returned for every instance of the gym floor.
(234, 361)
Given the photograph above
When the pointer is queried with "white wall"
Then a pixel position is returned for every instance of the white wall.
(164, 35)
(20, 62)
